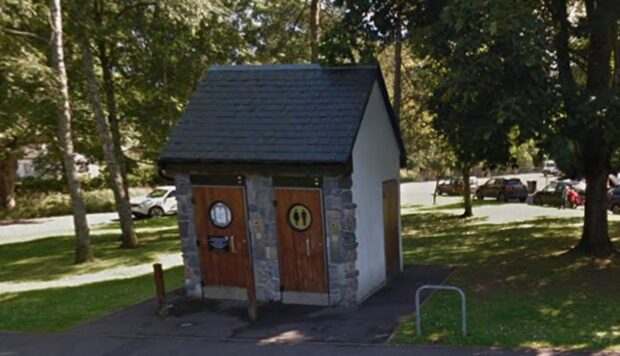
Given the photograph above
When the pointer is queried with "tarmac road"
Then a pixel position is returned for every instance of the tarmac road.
(421, 194)
(33, 229)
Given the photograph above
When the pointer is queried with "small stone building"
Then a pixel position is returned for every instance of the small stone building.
(287, 183)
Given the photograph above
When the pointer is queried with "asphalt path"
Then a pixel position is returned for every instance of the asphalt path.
(93, 345)
(33, 229)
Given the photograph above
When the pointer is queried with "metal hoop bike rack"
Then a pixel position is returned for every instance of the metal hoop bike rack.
(418, 319)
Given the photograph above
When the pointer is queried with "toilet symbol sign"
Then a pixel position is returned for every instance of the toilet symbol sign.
(299, 217)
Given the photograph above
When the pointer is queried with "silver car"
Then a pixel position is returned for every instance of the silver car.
(161, 201)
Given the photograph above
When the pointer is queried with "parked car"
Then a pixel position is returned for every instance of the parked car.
(455, 186)
(159, 202)
(614, 180)
(614, 200)
(550, 168)
(553, 194)
(503, 189)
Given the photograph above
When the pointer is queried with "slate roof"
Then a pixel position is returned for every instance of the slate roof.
(275, 114)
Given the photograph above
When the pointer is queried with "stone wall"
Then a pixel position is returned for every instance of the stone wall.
(262, 226)
(339, 229)
(342, 244)
(187, 233)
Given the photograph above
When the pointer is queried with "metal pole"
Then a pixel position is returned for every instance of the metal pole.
(418, 322)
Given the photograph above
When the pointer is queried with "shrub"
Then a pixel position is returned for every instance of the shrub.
(37, 205)
(30, 185)
(146, 176)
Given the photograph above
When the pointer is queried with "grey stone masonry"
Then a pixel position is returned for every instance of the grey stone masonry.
(187, 232)
(342, 244)
(262, 226)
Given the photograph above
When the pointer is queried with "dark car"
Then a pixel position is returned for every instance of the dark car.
(503, 189)
(614, 200)
(455, 186)
(553, 193)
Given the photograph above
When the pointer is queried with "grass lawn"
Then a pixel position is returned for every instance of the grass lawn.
(51, 259)
(522, 290)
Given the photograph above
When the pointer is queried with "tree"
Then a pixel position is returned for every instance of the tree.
(378, 32)
(106, 55)
(315, 7)
(585, 39)
(157, 53)
(83, 251)
(129, 238)
(383, 21)
(8, 168)
(25, 103)
(492, 77)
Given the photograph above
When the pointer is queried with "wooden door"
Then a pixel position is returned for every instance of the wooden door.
(221, 228)
(391, 228)
(299, 217)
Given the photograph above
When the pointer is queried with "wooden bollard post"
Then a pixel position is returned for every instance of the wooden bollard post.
(160, 290)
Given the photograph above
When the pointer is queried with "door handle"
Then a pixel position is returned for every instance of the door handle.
(307, 246)
(232, 244)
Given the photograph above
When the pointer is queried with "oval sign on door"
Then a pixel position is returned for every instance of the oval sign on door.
(299, 217)
(220, 214)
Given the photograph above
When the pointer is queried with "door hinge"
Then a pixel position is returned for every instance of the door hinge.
(193, 201)
(281, 288)
(275, 203)
(198, 242)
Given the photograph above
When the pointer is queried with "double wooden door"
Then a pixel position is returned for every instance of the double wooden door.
(299, 216)
(221, 227)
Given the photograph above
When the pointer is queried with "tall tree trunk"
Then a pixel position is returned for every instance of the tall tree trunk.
(616, 80)
(315, 8)
(595, 237)
(83, 250)
(8, 168)
(129, 238)
(469, 212)
(596, 151)
(398, 60)
(108, 86)
(106, 59)
(436, 191)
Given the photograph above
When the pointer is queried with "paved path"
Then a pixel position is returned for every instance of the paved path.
(55, 344)
(371, 322)
(33, 229)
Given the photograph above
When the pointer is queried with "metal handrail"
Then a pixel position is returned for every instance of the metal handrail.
(418, 320)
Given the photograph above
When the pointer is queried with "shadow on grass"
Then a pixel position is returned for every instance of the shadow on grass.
(460, 205)
(522, 289)
(166, 221)
(61, 308)
(52, 258)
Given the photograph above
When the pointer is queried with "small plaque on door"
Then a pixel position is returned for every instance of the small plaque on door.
(219, 243)
(299, 217)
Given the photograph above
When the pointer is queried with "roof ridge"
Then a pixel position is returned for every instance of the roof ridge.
(299, 66)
